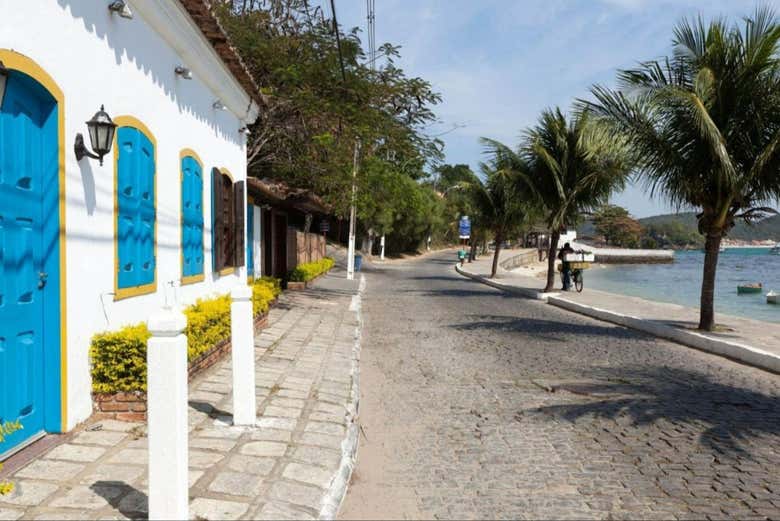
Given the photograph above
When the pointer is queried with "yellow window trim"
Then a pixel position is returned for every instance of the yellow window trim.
(19, 62)
(225, 171)
(123, 293)
(250, 279)
(227, 271)
(193, 279)
(200, 277)
(137, 290)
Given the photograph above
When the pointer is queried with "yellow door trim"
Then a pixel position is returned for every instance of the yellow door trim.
(19, 62)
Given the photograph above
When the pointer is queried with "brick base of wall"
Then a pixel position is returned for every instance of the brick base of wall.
(128, 406)
(131, 406)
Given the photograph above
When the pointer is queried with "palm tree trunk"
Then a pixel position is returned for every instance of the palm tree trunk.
(473, 251)
(707, 306)
(554, 236)
(499, 239)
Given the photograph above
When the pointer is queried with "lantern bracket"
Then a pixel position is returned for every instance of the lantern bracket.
(81, 150)
(101, 136)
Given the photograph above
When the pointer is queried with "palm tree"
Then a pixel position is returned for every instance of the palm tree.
(705, 126)
(573, 168)
(498, 204)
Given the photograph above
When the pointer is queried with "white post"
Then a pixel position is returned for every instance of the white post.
(166, 358)
(242, 331)
(351, 246)
(382, 245)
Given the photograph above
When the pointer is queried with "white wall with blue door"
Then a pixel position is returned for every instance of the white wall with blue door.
(107, 244)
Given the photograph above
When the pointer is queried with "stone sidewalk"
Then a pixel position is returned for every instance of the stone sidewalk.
(294, 464)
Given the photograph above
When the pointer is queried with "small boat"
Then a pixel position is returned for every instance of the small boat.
(773, 297)
(775, 250)
(755, 287)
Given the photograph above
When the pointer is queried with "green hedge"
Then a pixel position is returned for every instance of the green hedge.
(119, 357)
(310, 270)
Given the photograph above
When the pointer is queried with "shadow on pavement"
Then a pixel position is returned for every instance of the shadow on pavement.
(439, 277)
(552, 329)
(459, 293)
(128, 500)
(209, 409)
(688, 400)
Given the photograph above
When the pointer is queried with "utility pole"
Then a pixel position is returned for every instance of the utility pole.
(351, 247)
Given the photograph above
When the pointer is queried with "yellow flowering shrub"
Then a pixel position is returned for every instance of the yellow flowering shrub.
(119, 357)
(208, 322)
(310, 270)
(6, 429)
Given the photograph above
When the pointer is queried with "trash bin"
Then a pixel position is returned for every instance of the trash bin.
(358, 262)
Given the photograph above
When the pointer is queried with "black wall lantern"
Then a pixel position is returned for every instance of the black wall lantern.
(101, 137)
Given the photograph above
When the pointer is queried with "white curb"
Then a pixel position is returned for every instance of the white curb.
(523, 292)
(334, 497)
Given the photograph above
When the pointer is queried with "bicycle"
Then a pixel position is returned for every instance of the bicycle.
(576, 278)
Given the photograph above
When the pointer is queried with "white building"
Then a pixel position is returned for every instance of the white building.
(86, 247)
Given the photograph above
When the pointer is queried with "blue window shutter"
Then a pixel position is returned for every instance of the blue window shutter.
(147, 211)
(136, 214)
(127, 199)
(186, 202)
(197, 198)
(250, 232)
(192, 217)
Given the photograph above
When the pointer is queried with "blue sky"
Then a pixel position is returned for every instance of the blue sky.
(498, 63)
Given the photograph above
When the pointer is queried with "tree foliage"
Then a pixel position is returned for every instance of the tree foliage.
(618, 227)
(704, 125)
(567, 167)
(322, 96)
(501, 204)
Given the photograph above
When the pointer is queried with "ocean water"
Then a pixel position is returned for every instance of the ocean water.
(680, 282)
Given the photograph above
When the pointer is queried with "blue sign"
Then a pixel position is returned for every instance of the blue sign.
(464, 227)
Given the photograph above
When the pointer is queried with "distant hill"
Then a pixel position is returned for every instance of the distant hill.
(768, 228)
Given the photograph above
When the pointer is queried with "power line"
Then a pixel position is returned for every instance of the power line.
(371, 19)
(338, 40)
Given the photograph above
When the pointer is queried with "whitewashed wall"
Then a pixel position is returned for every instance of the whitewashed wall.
(98, 58)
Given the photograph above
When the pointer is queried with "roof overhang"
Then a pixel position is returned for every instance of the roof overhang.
(275, 193)
(191, 29)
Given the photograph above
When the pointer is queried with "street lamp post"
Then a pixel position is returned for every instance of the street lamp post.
(351, 246)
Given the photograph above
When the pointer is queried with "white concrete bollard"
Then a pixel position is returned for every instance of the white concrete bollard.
(242, 331)
(166, 358)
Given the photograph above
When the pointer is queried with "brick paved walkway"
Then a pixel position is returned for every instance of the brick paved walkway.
(282, 468)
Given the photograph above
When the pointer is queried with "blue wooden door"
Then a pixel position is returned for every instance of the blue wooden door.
(250, 240)
(29, 261)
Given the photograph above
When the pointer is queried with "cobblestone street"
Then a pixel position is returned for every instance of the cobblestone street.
(478, 404)
(283, 468)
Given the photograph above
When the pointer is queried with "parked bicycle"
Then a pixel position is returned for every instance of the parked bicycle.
(576, 278)
(578, 262)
